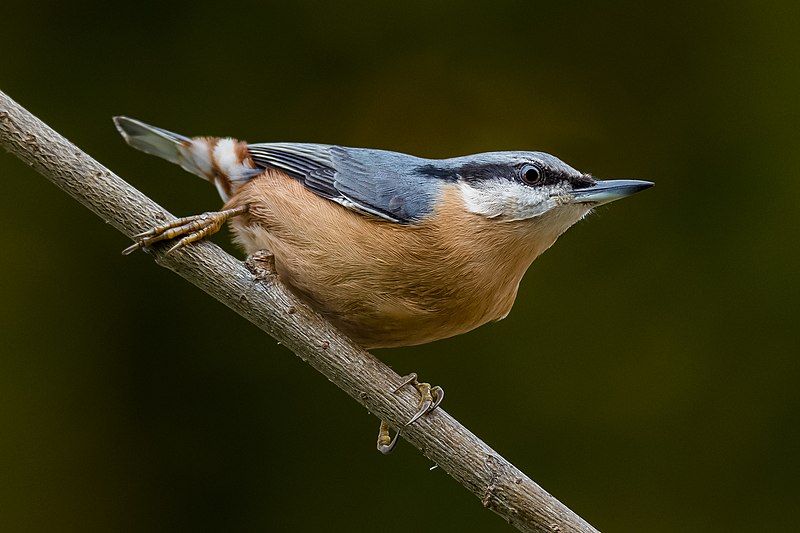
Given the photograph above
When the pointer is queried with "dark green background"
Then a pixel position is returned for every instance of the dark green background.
(647, 375)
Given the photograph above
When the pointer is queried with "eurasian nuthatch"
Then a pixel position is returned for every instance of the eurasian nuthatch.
(393, 249)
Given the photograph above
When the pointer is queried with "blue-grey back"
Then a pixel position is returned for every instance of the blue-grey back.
(377, 182)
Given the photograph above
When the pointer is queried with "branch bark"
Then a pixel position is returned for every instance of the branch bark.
(252, 291)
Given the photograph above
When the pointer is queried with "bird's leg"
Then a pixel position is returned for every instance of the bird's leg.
(429, 399)
(191, 229)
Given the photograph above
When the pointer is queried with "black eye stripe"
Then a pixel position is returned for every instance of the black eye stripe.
(480, 172)
(550, 176)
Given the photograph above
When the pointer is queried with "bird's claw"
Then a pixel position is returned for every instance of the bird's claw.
(430, 398)
(385, 441)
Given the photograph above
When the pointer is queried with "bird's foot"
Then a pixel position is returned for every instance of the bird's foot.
(385, 441)
(429, 399)
(190, 229)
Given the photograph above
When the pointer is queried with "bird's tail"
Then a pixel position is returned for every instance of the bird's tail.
(225, 162)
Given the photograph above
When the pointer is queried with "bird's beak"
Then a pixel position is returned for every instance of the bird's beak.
(603, 192)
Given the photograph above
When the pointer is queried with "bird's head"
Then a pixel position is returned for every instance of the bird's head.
(535, 187)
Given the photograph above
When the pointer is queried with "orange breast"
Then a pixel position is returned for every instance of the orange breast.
(382, 283)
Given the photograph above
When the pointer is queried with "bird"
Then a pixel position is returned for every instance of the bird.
(393, 249)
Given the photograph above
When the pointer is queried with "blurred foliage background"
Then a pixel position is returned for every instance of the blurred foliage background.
(647, 376)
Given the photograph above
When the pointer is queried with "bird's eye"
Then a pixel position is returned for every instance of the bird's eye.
(531, 175)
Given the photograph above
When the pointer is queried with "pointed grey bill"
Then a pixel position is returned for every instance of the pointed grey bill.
(605, 191)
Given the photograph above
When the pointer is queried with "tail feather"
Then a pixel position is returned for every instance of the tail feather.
(224, 162)
(152, 140)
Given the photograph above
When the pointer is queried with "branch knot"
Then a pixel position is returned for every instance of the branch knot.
(262, 265)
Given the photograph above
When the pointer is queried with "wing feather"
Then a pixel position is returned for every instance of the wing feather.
(379, 183)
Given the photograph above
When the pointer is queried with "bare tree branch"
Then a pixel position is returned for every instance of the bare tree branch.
(252, 291)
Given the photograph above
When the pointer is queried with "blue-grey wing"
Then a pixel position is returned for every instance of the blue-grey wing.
(380, 183)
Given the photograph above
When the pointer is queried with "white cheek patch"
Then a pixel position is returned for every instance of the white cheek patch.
(509, 199)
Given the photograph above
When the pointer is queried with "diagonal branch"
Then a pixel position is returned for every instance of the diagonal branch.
(253, 292)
